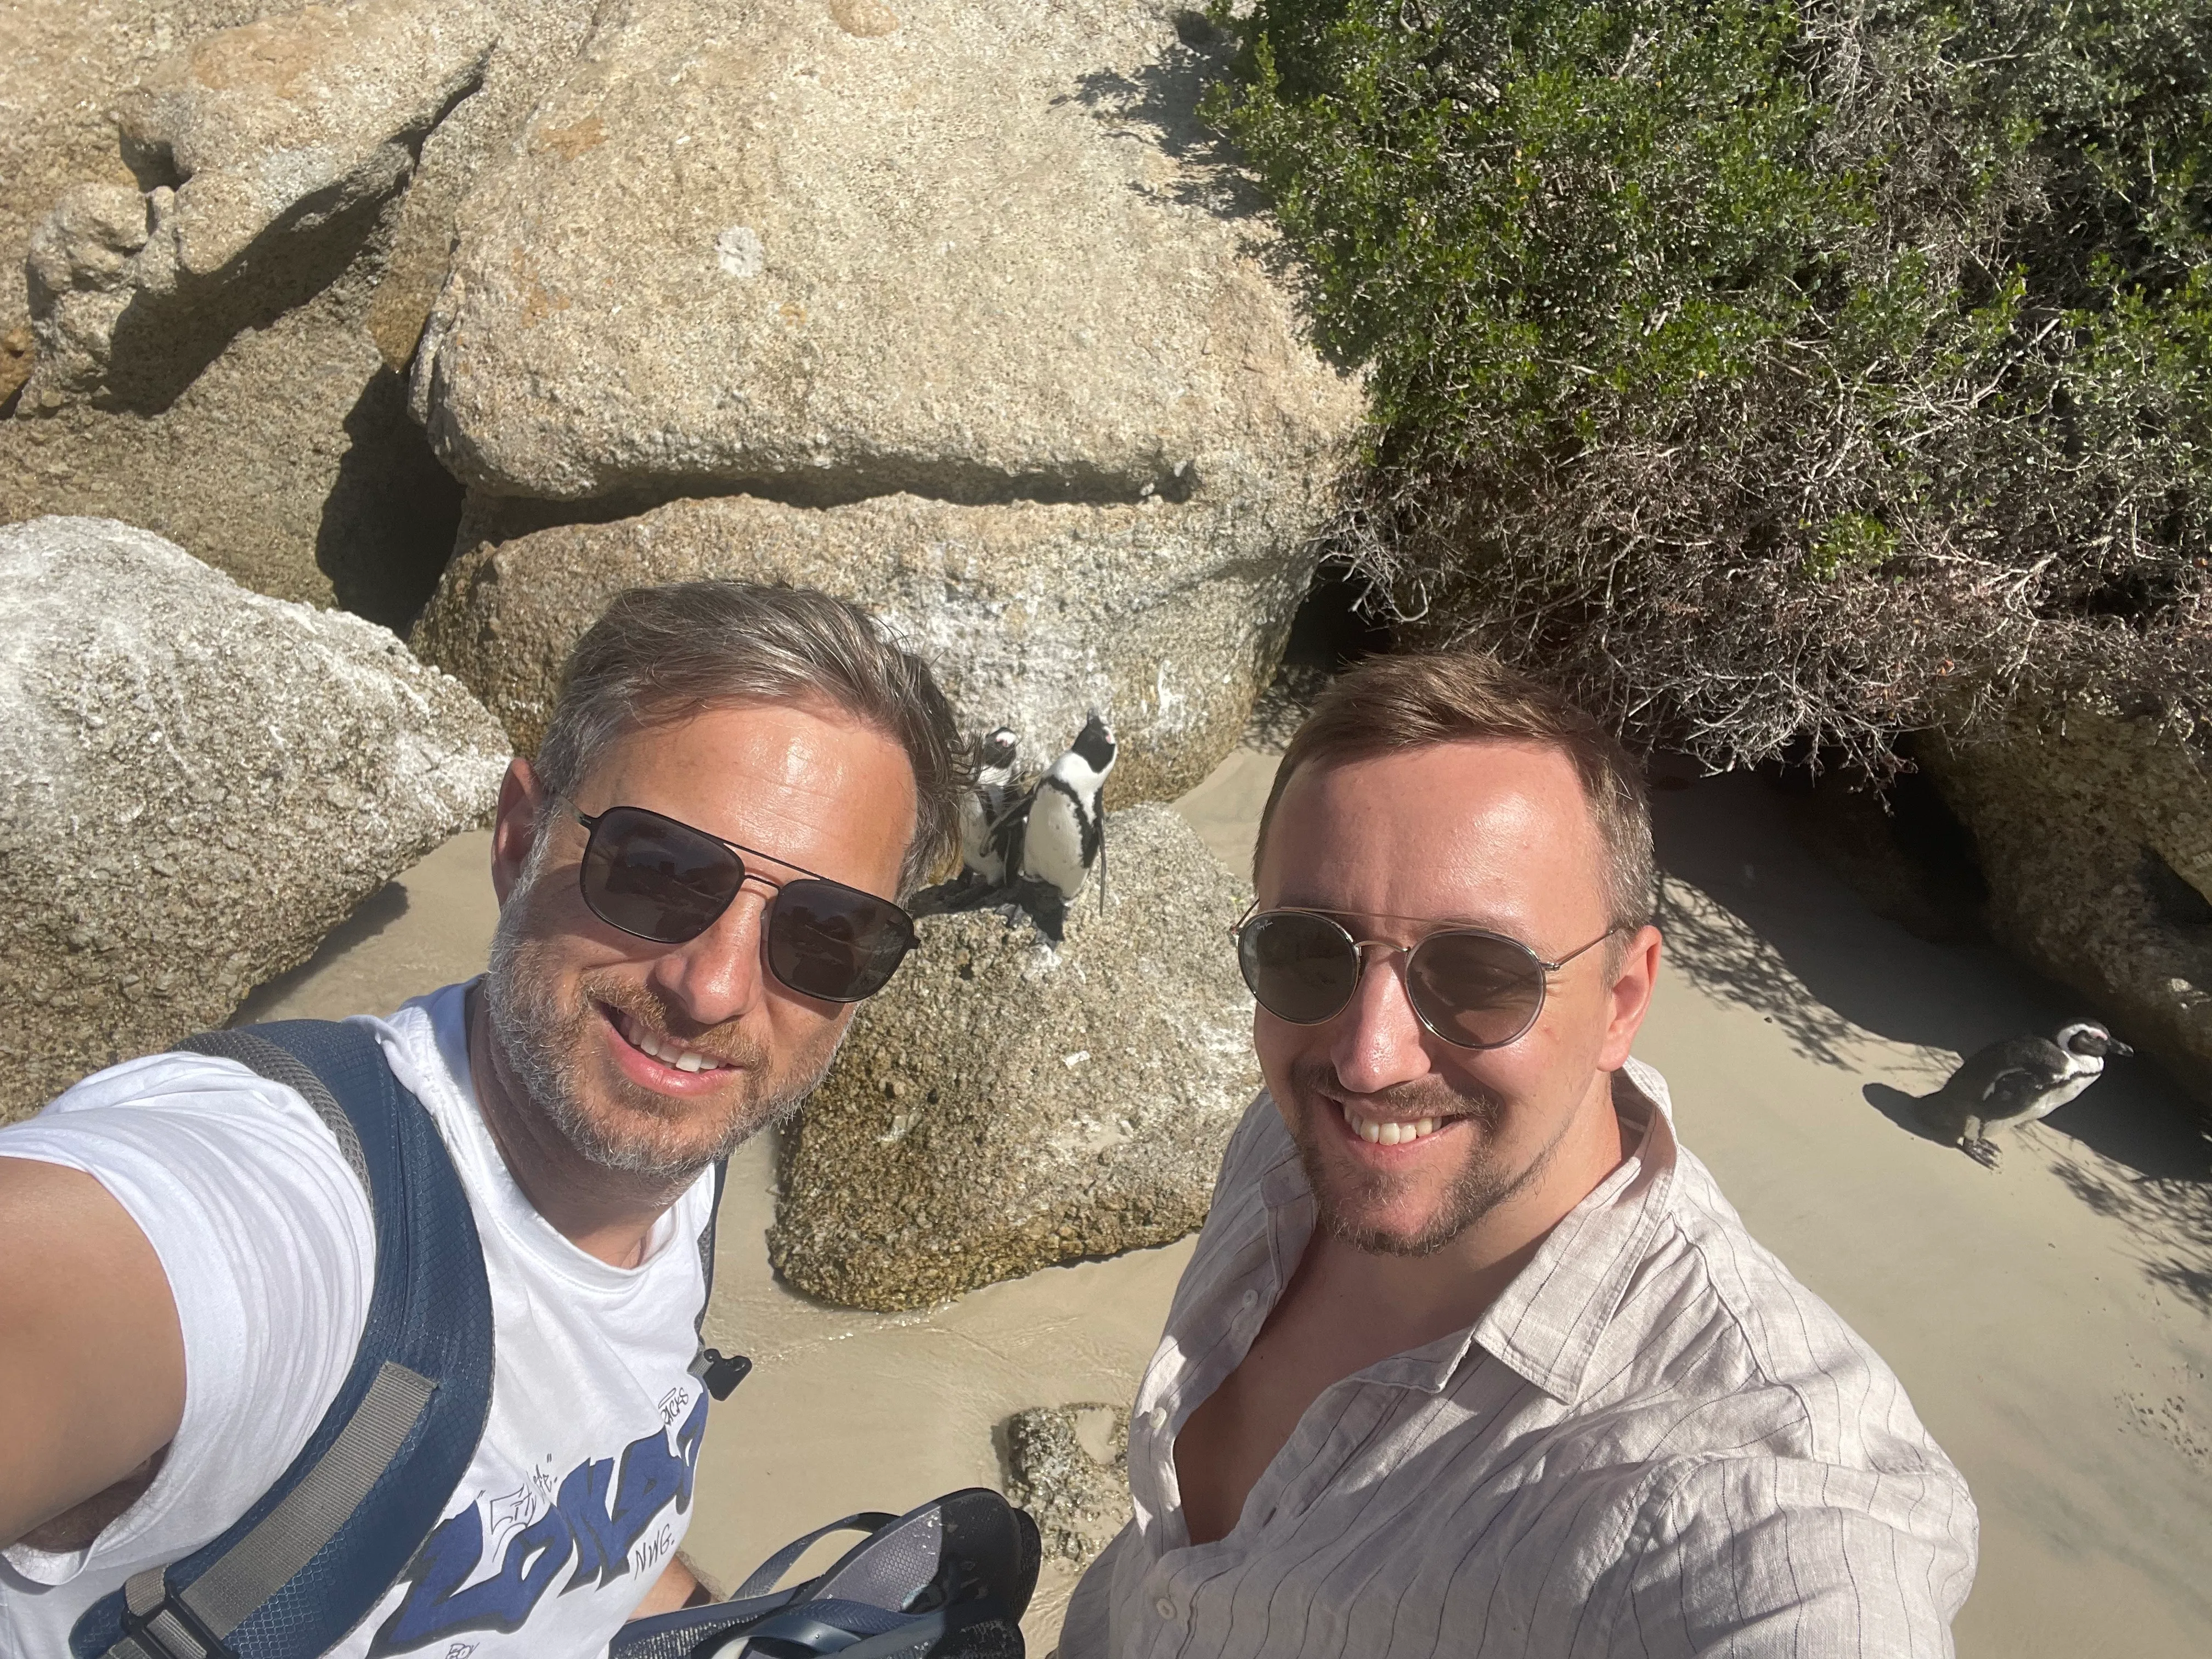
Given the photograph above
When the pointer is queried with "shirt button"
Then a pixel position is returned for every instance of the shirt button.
(1158, 1417)
(1165, 1606)
(1251, 1300)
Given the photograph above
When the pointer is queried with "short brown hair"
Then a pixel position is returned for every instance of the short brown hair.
(658, 654)
(1389, 704)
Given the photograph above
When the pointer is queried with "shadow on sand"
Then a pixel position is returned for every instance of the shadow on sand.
(1749, 915)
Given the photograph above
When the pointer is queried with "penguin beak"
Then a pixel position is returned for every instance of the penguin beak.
(2116, 1050)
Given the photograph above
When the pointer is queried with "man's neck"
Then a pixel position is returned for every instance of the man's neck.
(606, 1213)
(1407, 1302)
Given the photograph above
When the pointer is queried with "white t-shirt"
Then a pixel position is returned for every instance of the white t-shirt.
(581, 1489)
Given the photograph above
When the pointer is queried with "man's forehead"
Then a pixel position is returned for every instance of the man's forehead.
(1449, 819)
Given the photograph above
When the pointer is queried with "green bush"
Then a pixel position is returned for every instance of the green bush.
(1765, 372)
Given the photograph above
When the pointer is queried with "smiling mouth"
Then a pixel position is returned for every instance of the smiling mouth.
(658, 1045)
(1391, 1132)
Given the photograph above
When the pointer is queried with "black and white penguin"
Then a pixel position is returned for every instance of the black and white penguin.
(1066, 830)
(2017, 1081)
(983, 835)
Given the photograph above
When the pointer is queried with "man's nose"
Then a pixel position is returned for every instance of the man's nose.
(1378, 1040)
(716, 976)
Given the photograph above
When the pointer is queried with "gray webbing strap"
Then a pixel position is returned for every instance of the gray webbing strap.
(288, 1537)
(258, 1055)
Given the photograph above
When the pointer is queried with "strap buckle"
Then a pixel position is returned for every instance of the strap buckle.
(170, 1629)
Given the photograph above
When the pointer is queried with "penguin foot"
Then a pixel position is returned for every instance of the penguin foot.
(1983, 1152)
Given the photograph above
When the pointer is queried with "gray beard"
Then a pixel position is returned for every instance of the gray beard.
(540, 1036)
(1479, 1186)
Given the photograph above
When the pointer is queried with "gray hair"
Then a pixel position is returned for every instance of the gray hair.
(662, 653)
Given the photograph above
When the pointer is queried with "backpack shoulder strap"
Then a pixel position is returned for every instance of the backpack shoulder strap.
(318, 1551)
(720, 1372)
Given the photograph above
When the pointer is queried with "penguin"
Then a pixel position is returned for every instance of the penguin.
(1066, 831)
(2017, 1081)
(983, 838)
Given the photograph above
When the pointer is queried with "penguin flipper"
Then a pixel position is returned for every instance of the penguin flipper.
(2012, 1093)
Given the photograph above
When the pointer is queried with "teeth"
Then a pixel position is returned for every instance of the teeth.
(1389, 1133)
(665, 1049)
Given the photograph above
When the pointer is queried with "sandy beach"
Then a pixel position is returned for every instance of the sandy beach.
(2051, 1318)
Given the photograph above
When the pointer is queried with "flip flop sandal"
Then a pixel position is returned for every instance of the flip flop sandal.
(948, 1580)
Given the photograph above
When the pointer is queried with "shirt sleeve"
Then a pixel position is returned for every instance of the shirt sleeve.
(1789, 1556)
(265, 1236)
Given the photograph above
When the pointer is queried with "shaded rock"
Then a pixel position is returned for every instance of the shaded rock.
(2093, 827)
(65, 62)
(197, 783)
(1003, 1107)
(971, 251)
(1167, 617)
(252, 140)
(270, 437)
(289, 463)
(1068, 1466)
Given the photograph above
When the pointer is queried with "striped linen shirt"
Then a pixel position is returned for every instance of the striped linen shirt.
(1655, 1441)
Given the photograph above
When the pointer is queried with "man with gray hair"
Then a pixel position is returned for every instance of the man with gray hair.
(1472, 1359)
(697, 880)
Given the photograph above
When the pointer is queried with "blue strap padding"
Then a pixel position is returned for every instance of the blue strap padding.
(429, 1310)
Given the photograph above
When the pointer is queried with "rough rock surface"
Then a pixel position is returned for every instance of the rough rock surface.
(289, 463)
(2094, 829)
(269, 436)
(196, 784)
(1068, 1466)
(253, 142)
(1167, 616)
(64, 64)
(975, 252)
(1003, 1107)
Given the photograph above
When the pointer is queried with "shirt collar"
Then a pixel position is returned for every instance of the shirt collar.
(1547, 1324)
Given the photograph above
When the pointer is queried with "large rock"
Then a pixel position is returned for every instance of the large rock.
(196, 784)
(2093, 827)
(257, 143)
(1168, 616)
(958, 294)
(1003, 1106)
(971, 251)
(266, 432)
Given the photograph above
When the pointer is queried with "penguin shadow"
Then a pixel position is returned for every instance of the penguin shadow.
(1040, 901)
(1902, 1110)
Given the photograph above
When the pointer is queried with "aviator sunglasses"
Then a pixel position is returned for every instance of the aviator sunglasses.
(658, 879)
(1473, 988)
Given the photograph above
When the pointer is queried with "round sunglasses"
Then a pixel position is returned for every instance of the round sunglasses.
(1473, 988)
(661, 880)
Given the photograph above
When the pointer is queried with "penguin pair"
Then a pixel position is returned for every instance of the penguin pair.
(1043, 840)
(2017, 1081)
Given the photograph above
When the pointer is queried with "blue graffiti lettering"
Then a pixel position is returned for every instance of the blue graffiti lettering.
(582, 1523)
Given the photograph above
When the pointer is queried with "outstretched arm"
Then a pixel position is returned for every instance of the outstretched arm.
(92, 1358)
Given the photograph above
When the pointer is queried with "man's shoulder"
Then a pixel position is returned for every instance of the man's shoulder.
(1715, 1324)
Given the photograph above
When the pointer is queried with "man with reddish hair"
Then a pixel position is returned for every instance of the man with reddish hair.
(1472, 1358)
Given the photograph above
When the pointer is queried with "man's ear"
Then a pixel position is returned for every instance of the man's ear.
(515, 829)
(1631, 996)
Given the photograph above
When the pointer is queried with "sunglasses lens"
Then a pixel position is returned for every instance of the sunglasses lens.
(1300, 968)
(655, 878)
(836, 942)
(1475, 989)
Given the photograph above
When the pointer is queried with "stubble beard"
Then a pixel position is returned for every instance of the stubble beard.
(544, 1030)
(1345, 1196)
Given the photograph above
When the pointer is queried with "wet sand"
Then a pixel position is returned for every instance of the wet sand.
(2051, 1318)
